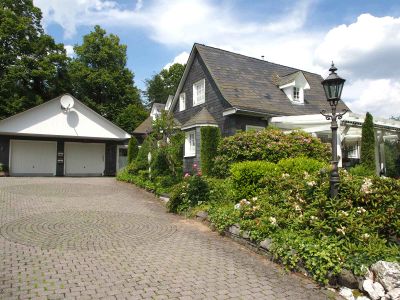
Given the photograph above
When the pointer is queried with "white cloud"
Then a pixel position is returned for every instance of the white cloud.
(180, 58)
(368, 48)
(365, 51)
(70, 50)
(380, 97)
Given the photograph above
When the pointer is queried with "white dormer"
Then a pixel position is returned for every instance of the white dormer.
(156, 110)
(293, 85)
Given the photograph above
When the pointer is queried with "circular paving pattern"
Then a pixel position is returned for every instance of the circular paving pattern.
(60, 189)
(86, 230)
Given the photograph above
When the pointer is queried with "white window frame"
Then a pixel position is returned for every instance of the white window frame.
(190, 143)
(199, 92)
(182, 101)
(352, 151)
(253, 127)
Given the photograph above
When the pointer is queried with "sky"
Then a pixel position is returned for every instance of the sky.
(362, 37)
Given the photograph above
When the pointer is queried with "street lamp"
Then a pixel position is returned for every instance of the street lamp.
(333, 86)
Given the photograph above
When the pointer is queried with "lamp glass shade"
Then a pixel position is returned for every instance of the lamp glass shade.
(333, 88)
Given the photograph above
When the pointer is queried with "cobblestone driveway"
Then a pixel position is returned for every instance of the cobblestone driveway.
(95, 238)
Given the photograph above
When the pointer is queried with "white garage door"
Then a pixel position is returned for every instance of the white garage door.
(33, 158)
(84, 159)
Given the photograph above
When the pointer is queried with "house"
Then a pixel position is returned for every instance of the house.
(62, 137)
(235, 92)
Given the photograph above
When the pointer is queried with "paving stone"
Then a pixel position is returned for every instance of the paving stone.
(95, 238)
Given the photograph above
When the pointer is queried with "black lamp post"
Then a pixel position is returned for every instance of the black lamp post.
(333, 86)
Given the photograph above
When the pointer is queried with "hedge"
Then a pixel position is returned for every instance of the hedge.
(133, 149)
(210, 137)
(367, 156)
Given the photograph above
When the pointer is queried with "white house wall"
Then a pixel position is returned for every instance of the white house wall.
(49, 119)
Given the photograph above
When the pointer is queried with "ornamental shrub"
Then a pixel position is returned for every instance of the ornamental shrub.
(246, 176)
(367, 156)
(141, 162)
(133, 149)
(159, 162)
(361, 170)
(267, 145)
(210, 137)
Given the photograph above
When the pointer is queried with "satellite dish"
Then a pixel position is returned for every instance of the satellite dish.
(67, 102)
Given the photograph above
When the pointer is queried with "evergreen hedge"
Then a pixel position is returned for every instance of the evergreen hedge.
(367, 156)
(210, 137)
(133, 149)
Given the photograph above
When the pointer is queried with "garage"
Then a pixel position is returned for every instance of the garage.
(84, 159)
(61, 137)
(33, 158)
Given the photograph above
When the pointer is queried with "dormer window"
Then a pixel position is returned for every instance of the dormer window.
(296, 94)
(293, 85)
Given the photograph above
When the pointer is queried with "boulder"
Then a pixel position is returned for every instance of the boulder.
(374, 289)
(346, 293)
(202, 215)
(394, 294)
(266, 244)
(346, 278)
(235, 229)
(246, 234)
(362, 298)
(387, 274)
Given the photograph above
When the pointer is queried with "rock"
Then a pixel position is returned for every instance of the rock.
(235, 229)
(374, 290)
(246, 234)
(387, 274)
(394, 294)
(266, 244)
(368, 275)
(346, 278)
(362, 298)
(346, 293)
(379, 289)
(202, 215)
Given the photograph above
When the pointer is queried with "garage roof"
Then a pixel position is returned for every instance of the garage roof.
(49, 119)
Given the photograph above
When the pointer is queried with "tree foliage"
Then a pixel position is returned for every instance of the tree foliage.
(367, 156)
(133, 149)
(163, 84)
(33, 68)
(101, 79)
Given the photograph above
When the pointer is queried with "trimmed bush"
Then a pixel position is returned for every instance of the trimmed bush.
(246, 176)
(267, 145)
(141, 162)
(133, 149)
(300, 165)
(367, 156)
(210, 137)
(362, 171)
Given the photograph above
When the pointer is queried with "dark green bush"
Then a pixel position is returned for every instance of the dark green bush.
(210, 137)
(267, 145)
(159, 162)
(392, 158)
(246, 176)
(133, 149)
(300, 165)
(367, 156)
(141, 161)
(361, 170)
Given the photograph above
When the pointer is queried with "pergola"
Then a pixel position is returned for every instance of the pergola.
(349, 133)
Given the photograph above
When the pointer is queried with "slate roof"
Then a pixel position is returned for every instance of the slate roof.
(201, 118)
(145, 127)
(248, 83)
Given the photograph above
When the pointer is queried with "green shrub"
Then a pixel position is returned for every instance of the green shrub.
(159, 162)
(246, 176)
(361, 170)
(267, 145)
(3, 168)
(293, 208)
(392, 158)
(210, 137)
(133, 149)
(299, 165)
(367, 156)
(179, 200)
(141, 161)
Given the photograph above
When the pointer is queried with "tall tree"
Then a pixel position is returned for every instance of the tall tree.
(368, 143)
(101, 79)
(32, 65)
(163, 84)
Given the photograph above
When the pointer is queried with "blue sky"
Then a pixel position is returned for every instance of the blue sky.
(361, 36)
